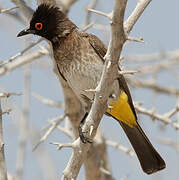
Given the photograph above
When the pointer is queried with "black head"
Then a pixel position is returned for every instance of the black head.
(48, 21)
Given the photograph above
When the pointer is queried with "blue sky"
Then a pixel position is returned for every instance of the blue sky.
(158, 26)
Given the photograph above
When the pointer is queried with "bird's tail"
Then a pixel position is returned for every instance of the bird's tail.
(149, 158)
(123, 111)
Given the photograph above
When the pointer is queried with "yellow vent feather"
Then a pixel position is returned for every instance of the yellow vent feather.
(121, 110)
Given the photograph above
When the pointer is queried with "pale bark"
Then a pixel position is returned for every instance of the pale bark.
(3, 171)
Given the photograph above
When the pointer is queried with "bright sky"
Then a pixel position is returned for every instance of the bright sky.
(158, 26)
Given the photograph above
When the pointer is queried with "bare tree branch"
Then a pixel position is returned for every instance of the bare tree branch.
(22, 61)
(24, 9)
(118, 38)
(21, 53)
(154, 86)
(169, 142)
(163, 118)
(7, 10)
(55, 123)
(48, 102)
(24, 128)
(98, 107)
(132, 19)
(6, 95)
(3, 170)
(92, 5)
(119, 146)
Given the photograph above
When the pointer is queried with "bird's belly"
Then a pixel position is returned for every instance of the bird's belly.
(84, 79)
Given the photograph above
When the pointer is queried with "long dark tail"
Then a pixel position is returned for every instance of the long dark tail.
(149, 158)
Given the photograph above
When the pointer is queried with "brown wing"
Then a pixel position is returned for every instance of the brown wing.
(101, 50)
(96, 44)
(124, 87)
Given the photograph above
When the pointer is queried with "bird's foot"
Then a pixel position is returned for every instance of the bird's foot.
(83, 138)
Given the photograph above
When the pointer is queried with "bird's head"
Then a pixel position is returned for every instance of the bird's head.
(48, 21)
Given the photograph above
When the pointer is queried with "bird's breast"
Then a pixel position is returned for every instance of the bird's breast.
(83, 77)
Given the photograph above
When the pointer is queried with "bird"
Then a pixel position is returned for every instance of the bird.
(79, 57)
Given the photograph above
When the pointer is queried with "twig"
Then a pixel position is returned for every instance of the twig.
(128, 72)
(135, 39)
(68, 3)
(23, 8)
(116, 145)
(7, 111)
(66, 129)
(21, 53)
(24, 128)
(61, 145)
(54, 124)
(105, 171)
(154, 86)
(171, 55)
(124, 178)
(132, 19)
(172, 112)
(101, 27)
(22, 61)
(108, 15)
(167, 66)
(85, 28)
(48, 102)
(88, 14)
(6, 95)
(14, 15)
(154, 115)
(3, 170)
(168, 142)
(7, 10)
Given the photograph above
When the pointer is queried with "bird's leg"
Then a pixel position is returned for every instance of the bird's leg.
(81, 133)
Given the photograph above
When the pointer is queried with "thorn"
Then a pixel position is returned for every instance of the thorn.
(91, 129)
(7, 10)
(128, 72)
(90, 90)
(141, 39)
(121, 58)
(109, 64)
(35, 147)
(59, 145)
(110, 15)
(105, 171)
(113, 96)
(100, 97)
(87, 27)
(101, 13)
(110, 107)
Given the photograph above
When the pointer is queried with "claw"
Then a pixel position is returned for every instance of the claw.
(82, 137)
(81, 133)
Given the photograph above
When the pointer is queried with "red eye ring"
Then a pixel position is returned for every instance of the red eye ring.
(38, 26)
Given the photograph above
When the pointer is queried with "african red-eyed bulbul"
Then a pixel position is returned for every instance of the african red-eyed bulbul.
(79, 58)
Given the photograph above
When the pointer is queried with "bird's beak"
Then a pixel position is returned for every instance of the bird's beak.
(25, 32)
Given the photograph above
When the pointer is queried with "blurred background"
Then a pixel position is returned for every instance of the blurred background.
(157, 59)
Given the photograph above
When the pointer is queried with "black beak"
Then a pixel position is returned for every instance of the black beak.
(25, 32)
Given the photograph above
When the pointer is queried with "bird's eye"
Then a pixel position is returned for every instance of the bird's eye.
(38, 26)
